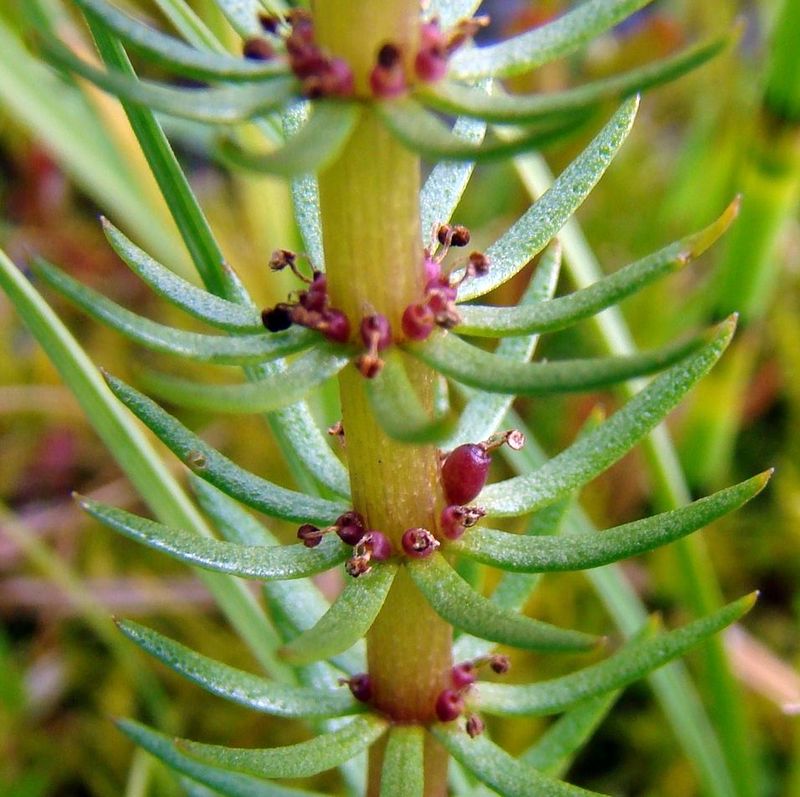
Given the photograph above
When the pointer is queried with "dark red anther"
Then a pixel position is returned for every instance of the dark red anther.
(350, 527)
(388, 78)
(449, 705)
(361, 687)
(334, 326)
(419, 543)
(499, 664)
(474, 726)
(464, 472)
(417, 322)
(453, 235)
(478, 264)
(311, 536)
(281, 258)
(277, 318)
(376, 332)
(462, 675)
(269, 22)
(257, 49)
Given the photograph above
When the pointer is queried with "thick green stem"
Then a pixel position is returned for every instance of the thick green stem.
(370, 215)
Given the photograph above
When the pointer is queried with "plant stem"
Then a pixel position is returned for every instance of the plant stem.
(369, 201)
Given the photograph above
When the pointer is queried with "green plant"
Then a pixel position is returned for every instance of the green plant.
(365, 220)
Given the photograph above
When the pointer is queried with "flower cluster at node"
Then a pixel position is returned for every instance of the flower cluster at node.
(455, 519)
(349, 527)
(373, 546)
(376, 334)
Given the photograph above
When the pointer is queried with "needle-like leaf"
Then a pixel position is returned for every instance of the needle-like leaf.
(627, 665)
(212, 466)
(603, 446)
(348, 619)
(542, 221)
(403, 769)
(246, 561)
(548, 554)
(455, 601)
(253, 691)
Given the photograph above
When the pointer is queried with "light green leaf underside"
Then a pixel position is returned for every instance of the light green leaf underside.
(314, 145)
(423, 132)
(496, 768)
(447, 181)
(296, 760)
(549, 554)
(217, 469)
(520, 109)
(457, 603)
(542, 221)
(257, 693)
(398, 409)
(243, 14)
(260, 395)
(218, 349)
(627, 665)
(348, 619)
(403, 769)
(167, 51)
(603, 446)
(219, 105)
(484, 412)
(199, 303)
(553, 40)
(450, 355)
(245, 561)
(566, 310)
(221, 779)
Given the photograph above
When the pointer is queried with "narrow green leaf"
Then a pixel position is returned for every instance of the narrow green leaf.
(567, 310)
(600, 448)
(553, 40)
(167, 51)
(493, 373)
(219, 349)
(193, 300)
(295, 760)
(551, 554)
(455, 601)
(186, 21)
(403, 772)
(230, 784)
(245, 561)
(315, 145)
(484, 412)
(398, 409)
(531, 232)
(423, 132)
(212, 466)
(259, 694)
(260, 395)
(243, 14)
(448, 180)
(218, 105)
(521, 109)
(496, 768)
(627, 665)
(348, 619)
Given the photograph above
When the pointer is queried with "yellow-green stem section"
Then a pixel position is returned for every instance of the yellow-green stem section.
(369, 202)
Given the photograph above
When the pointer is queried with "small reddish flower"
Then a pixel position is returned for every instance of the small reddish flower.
(463, 674)
(449, 705)
(419, 543)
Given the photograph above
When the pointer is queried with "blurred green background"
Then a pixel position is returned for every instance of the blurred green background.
(66, 155)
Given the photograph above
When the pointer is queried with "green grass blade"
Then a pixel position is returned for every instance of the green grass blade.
(504, 108)
(245, 561)
(244, 688)
(217, 105)
(166, 51)
(606, 292)
(348, 619)
(219, 349)
(554, 554)
(314, 145)
(397, 407)
(496, 768)
(625, 666)
(553, 40)
(403, 772)
(542, 221)
(603, 446)
(270, 393)
(296, 760)
(455, 601)
(193, 300)
(212, 466)
(222, 780)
